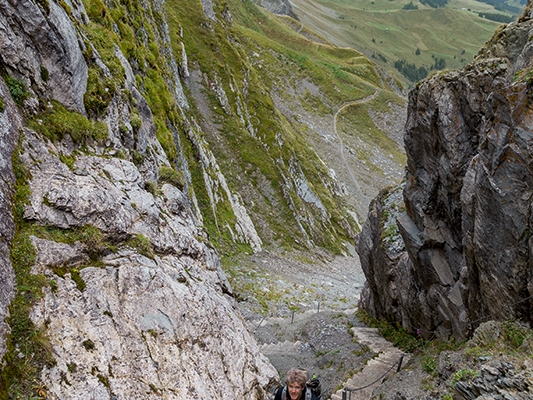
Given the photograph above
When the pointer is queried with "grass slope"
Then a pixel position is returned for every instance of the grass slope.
(382, 30)
(254, 57)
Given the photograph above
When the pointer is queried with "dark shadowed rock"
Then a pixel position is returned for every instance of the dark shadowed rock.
(10, 123)
(467, 219)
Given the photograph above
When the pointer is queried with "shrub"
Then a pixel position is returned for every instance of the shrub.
(429, 365)
(513, 334)
(45, 75)
(17, 88)
(464, 375)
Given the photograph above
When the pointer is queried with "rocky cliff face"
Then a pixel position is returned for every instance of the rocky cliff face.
(456, 249)
(109, 288)
(280, 7)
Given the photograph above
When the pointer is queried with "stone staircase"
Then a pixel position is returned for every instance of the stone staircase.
(376, 369)
(298, 316)
(280, 347)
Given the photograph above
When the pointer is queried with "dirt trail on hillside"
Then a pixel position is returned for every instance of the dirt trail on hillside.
(358, 192)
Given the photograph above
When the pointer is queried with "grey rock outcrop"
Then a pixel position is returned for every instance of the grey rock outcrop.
(279, 7)
(10, 124)
(142, 327)
(41, 46)
(467, 220)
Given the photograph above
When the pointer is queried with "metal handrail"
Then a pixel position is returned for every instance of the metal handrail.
(346, 390)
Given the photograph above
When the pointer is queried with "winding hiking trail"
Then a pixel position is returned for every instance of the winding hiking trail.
(357, 188)
(358, 192)
(313, 323)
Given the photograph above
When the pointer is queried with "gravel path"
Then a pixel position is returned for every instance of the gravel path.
(310, 323)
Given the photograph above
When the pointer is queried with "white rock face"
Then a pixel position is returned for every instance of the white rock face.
(146, 329)
(142, 328)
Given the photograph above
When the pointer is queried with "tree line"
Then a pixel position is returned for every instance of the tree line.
(435, 3)
(414, 73)
(496, 17)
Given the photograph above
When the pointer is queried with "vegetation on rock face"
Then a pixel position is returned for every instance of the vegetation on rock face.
(55, 122)
(263, 153)
(17, 88)
(255, 150)
(28, 347)
(445, 363)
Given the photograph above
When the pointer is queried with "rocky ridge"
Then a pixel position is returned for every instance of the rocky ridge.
(458, 241)
(494, 364)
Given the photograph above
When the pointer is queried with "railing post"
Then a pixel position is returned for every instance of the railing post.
(400, 363)
(292, 317)
(260, 322)
(344, 394)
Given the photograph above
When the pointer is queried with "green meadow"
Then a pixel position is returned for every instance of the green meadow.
(386, 32)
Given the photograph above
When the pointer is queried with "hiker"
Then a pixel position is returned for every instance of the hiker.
(296, 387)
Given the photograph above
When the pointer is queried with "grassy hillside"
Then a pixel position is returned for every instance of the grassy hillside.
(255, 142)
(279, 85)
(386, 32)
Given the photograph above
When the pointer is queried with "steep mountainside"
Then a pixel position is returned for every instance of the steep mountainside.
(141, 140)
(456, 249)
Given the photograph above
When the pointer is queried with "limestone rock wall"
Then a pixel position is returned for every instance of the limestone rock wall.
(141, 309)
(40, 45)
(466, 225)
(143, 326)
(10, 123)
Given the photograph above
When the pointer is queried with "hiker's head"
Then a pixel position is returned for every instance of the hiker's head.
(296, 379)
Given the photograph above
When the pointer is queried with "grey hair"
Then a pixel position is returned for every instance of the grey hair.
(296, 375)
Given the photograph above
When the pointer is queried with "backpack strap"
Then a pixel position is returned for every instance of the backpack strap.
(308, 393)
(284, 393)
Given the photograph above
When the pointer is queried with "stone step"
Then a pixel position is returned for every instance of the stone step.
(376, 369)
(280, 347)
(298, 316)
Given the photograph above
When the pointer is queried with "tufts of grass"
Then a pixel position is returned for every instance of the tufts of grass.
(514, 334)
(172, 176)
(142, 244)
(463, 375)
(56, 122)
(429, 365)
(28, 347)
